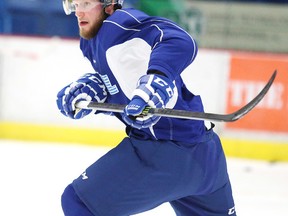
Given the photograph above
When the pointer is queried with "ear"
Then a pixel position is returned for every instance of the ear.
(109, 9)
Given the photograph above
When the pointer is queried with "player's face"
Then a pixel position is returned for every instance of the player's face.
(90, 15)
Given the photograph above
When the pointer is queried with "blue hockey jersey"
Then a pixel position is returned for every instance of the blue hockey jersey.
(130, 43)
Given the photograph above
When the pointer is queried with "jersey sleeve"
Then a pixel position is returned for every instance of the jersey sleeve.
(174, 52)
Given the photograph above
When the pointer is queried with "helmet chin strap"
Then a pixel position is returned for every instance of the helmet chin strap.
(109, 9)
(111, 6)
(106, 3)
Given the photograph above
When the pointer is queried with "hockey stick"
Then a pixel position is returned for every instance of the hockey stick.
(183, 113)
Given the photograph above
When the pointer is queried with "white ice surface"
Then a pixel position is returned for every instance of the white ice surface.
(33, 176)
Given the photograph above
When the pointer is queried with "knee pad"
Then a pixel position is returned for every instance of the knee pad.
(72, 205)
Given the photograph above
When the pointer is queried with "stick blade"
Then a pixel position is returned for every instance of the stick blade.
(248, 107)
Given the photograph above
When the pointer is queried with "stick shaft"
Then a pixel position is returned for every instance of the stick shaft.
(184, 114)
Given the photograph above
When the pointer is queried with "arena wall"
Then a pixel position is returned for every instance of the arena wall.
(33, 70)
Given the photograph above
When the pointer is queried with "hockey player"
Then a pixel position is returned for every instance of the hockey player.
(138, 60)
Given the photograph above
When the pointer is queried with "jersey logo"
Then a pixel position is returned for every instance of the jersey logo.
(111, 89)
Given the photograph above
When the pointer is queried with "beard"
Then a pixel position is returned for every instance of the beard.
(92, 32)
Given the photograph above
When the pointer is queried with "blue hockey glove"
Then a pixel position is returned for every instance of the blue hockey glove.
(88, 88)
(152, 91)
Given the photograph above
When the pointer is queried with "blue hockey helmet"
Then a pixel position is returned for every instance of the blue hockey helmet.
(69, 5)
